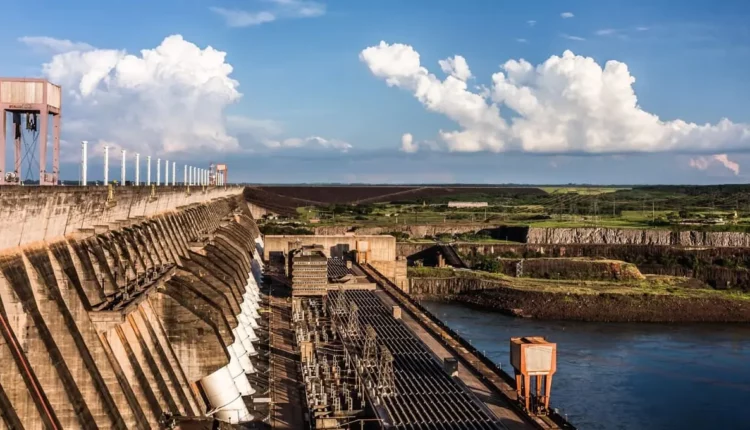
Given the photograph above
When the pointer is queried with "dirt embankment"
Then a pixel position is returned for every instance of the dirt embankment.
(621, 302)
(607, 307)
(570, 268)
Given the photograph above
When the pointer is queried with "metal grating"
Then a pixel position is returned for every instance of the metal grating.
(424, 396)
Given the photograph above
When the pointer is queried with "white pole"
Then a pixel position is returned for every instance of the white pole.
(158, 172)
(84, 162)
(184, 180)
(174, 173)
(106, 164)
(122, 168)
(148, 170)
(192, 175)
(137, 169)
(166, 172)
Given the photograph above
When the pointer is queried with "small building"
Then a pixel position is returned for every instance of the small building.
(308, 268)
(467, 204)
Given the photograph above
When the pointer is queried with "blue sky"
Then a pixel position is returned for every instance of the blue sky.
(301, 78)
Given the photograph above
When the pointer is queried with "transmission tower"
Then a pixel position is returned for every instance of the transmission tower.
(386, 378)
(370, 351)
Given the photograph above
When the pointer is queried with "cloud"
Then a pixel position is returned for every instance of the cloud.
(566, 15)
(51, 45)
(531, 22)
(241, 18)
(281, 9)
(169, 99)
(309, 142)
(567, 104)
(606, 32)
(456, 67)
(731, 165)
(641, 28)
(576, 38)
(703, 163)
(408, 145)
(522, 40)
(267, 133)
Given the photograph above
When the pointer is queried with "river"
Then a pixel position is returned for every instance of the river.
(628, 376)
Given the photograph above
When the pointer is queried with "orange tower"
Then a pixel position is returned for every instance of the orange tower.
(533, 356)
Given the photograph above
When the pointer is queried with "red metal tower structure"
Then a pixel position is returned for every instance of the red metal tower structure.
(30, 102)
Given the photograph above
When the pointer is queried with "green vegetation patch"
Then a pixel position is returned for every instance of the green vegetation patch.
(652, 284)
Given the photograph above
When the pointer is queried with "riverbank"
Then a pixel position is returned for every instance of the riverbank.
(655, 299)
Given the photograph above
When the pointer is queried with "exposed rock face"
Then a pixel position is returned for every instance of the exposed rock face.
(610, 236)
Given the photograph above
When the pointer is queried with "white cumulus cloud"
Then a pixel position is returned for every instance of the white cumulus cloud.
(279, 9)
(408, 145)
(566, 15)
(531, 22)
(567, 104)
(52, 45)
(164, 100)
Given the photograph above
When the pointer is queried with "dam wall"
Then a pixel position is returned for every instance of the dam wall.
(116, 313)
(32, 214)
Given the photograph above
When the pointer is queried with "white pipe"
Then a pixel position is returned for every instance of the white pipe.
(84, 162)
(174, 173)
(166, 172)
(238, 373)
(158, 172)
(224, 397)
(106, 164)
(245, 322)
(148, 170)
(137, 169)
(246, 341)
(122, 169)
(184, 180)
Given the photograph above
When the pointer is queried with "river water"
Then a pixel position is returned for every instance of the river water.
(628, 376)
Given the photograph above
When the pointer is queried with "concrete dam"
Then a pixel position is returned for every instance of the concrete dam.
(137, 307)
(127, 307)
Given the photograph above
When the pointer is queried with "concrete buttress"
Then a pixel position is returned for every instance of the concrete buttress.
(115, 312)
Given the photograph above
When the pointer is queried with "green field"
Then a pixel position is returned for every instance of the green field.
(590, 191)
(714, 208)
